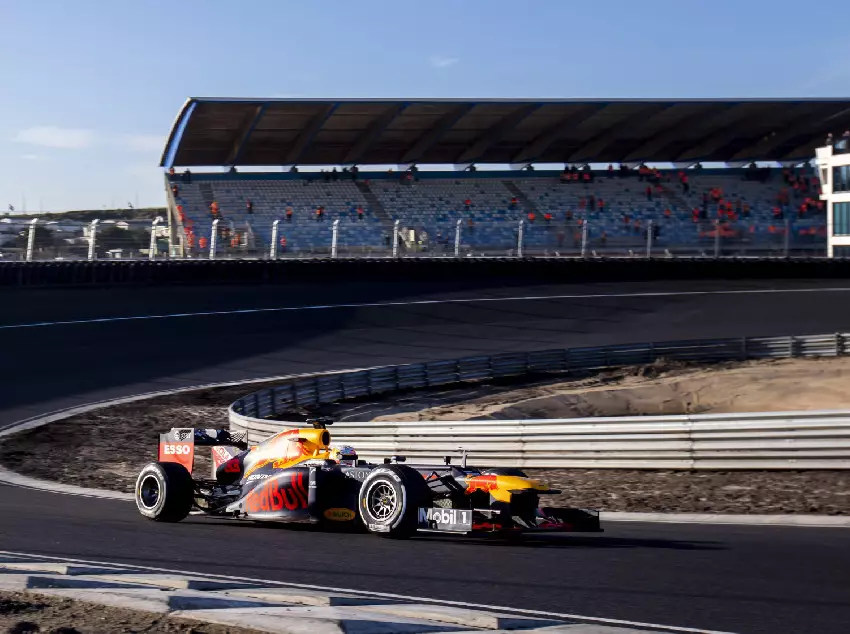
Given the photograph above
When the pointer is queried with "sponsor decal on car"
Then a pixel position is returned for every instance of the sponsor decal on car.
(484, 483)
(340, 515)
(446, 519)
(172, 449)
(258, 476)
(278, 495)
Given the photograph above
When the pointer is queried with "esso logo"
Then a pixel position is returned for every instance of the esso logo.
(179, 450)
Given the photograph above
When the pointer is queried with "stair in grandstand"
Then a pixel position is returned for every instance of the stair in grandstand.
(524, 200)
(374, 204)
(206, 190)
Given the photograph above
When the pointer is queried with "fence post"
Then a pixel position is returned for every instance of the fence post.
(334, 237)
(213, 238)
(31, 239)
(93, 239)
(457, 237)
(584, 231)
(649, 239)
(395, 237)
(519, 238)
(152, 247)
(273, 247)
(787, 238)
(716, 239)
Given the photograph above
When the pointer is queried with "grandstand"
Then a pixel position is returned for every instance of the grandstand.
(586, 208)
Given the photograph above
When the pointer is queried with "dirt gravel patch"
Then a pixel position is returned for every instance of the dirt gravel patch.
(25, 612)
(106, 448)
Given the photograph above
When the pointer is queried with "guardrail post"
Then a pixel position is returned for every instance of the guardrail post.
(396, 225)
(213, 238)
(649, 239)
(716, 239)
(273, 248)
(839, 345)
(519, 238)
(31, 239)
(152, 247)
(457, 237)
(584, 231)
(334, 237)
(93, 239)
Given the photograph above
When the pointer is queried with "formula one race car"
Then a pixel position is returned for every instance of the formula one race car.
(297, 476)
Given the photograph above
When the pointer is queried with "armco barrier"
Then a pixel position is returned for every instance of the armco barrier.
(502, 270)
(795, 440)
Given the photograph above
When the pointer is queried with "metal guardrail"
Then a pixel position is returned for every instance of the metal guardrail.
(785, 440)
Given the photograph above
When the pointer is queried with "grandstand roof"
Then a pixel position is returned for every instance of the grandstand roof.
(210, 132)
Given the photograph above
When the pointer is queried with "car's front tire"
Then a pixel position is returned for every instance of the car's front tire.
(164, 491)
(390, 498)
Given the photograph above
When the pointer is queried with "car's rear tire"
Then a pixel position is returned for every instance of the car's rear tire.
(390, 498)
(164, 491)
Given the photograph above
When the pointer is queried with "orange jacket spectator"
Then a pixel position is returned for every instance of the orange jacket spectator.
(667, 213)
(203, 243)
(531, 216)
(547, 217)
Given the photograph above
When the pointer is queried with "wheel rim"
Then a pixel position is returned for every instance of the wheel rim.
(149, 492)
(381, 501)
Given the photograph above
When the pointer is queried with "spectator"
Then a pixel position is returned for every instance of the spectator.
(203, 243)
(514, 203)
(531, 217)
(667, 213)
(547, 217)
(600, 204)
(282, 244)
(175, 190)
(610, 170)
(171, 171)
(320, 213)
(359, 212)
(467, 204)
(214, 210)
(249, 207)
(686, 187)
(289, 214)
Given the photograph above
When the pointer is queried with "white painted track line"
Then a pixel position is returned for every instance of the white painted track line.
(425, 302)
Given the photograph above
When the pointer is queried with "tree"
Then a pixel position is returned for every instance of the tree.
(44, 238)
(112, 237)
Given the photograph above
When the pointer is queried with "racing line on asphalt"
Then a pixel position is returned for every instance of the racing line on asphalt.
(729, 578)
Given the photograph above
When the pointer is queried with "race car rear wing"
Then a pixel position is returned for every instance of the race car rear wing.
(178, 444)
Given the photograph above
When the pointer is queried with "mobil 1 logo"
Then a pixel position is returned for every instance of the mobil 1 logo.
(457, 520)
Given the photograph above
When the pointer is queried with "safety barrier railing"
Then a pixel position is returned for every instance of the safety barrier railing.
(268, 239)
(712, 441)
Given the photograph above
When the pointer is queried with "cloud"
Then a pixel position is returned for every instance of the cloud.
(33, 157)
(142, 142)
(51, 136)
(438, 61)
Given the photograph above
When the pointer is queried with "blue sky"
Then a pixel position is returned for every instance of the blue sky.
(91, 87)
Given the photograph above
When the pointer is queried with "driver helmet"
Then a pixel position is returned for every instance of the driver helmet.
(342, 453)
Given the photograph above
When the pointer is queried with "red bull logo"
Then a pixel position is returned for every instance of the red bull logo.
(484, 483)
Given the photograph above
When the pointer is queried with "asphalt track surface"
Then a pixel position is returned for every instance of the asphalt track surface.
(739, 579)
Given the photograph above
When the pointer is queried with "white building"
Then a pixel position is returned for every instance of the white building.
(833, 163)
